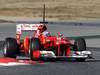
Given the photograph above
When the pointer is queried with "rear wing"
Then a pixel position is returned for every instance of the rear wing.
(26, 27)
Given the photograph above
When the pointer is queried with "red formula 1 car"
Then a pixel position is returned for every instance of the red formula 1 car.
(35, 42)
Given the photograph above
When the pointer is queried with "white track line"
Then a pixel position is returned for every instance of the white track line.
(13, 64)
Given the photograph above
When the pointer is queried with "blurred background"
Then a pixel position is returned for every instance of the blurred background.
(55, 9)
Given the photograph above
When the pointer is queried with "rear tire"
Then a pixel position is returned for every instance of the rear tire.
(35, 46)
(10, 48)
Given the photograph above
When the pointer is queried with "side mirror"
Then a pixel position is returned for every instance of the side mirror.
(59, 34)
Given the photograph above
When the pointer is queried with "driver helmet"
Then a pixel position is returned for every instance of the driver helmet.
(46, 33)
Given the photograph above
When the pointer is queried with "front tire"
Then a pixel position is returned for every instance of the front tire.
(35, 47)
(10, 48)
(80, 45)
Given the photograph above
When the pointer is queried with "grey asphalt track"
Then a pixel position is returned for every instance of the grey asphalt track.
(68, 67)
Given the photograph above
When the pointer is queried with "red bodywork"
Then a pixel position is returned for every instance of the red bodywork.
(60, 44)
(57, 42)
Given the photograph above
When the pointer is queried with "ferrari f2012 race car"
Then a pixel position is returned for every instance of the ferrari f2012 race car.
(35, 42)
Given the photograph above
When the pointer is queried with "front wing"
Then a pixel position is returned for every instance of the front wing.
(78, 54)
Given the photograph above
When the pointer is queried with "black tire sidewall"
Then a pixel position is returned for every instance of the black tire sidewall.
(80, 44)
(35, 44)
(12, 48)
